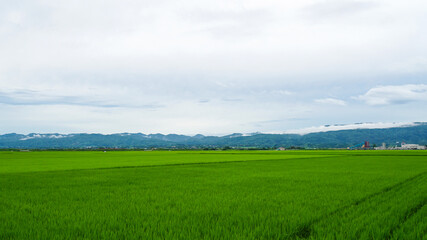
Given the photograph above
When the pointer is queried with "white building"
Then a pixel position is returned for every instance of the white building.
(412, 147)
(383, 147)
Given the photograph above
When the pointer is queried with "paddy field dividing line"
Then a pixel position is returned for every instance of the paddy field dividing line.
(73, 160)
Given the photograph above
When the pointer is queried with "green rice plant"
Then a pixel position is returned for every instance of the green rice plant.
(214, 195)
(375, 216)
(67, 160)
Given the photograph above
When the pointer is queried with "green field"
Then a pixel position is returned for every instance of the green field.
(213, 195)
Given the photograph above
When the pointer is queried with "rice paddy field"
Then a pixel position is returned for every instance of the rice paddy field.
(213, 195)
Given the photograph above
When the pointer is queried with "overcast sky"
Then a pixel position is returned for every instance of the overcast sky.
(210, 67)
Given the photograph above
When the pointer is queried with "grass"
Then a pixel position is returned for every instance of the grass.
(213, 195)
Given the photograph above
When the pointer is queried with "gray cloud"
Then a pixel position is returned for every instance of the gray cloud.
(232, 99)
(332, 101)
(28, 97)
(229, 23)
(337, 8)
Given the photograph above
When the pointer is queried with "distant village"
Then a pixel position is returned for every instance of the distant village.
(403, 146)
(366, 146)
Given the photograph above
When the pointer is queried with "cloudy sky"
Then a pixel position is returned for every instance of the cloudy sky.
(210, 67)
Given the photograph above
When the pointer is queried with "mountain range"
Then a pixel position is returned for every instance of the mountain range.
(411, 133)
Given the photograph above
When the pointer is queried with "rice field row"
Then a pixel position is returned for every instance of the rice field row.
(71, 160)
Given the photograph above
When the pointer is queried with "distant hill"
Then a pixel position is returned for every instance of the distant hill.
(415, 133)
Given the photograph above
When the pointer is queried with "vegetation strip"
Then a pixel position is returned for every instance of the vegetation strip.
(411, 212)
(53, 161)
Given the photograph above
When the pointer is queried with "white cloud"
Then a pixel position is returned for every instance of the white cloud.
(339, 127)
(395, 94)
(199, 66)
(332, 101)
(239, 39)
